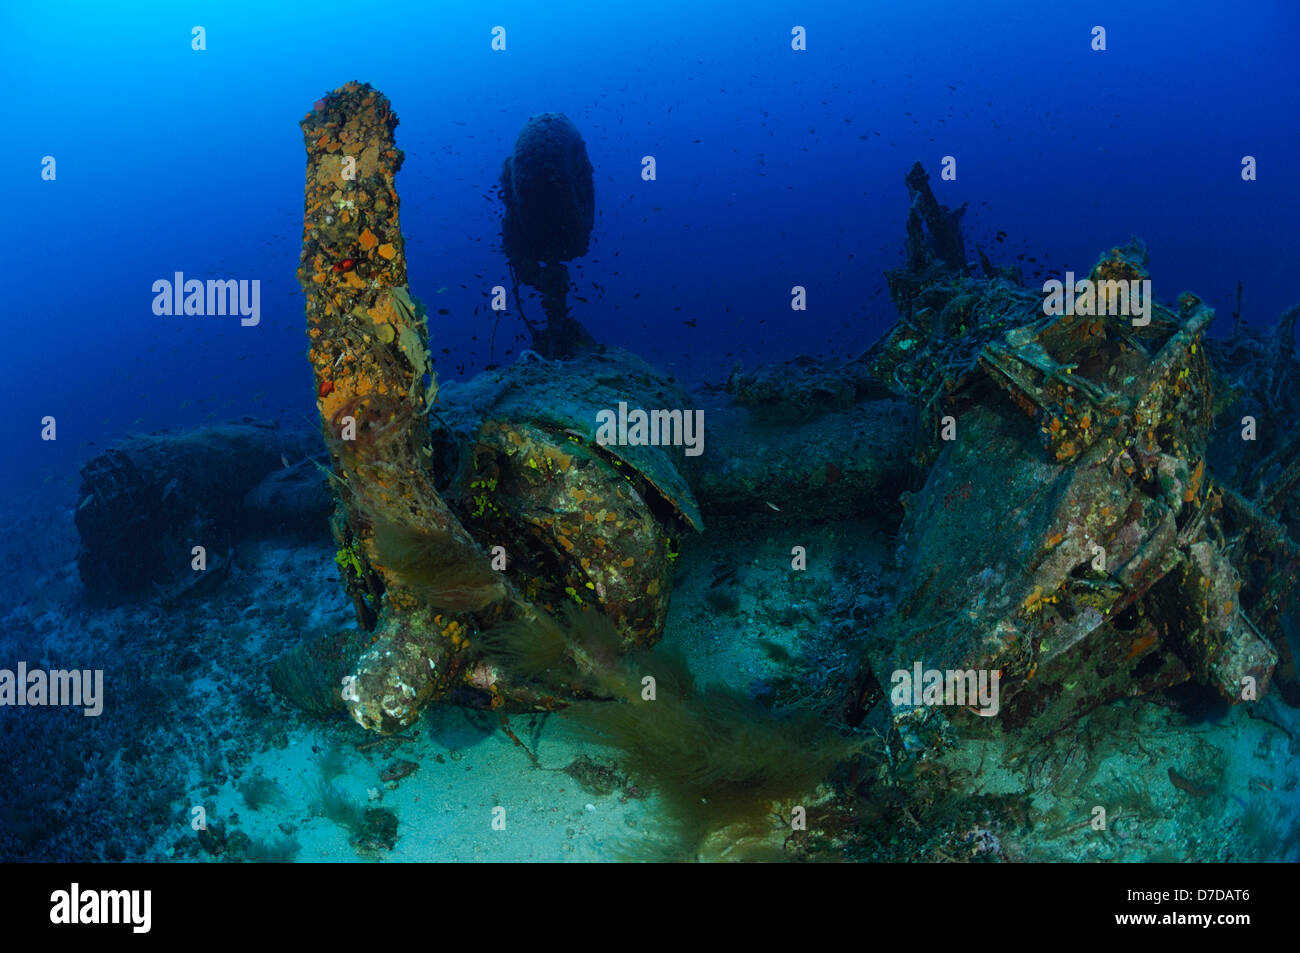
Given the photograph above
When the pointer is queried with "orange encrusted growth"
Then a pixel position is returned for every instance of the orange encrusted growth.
(374, 385)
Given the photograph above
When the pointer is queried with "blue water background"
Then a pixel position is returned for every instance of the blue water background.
(775, 168)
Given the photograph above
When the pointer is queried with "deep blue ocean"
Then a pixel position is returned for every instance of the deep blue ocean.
(775, 168)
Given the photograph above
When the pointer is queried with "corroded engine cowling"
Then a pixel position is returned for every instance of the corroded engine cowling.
(580, 523)
(577, 523)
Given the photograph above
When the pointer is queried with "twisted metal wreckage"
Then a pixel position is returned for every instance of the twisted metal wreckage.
(1073, 535)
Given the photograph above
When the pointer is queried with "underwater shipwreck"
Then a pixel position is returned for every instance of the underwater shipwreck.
(1082, 524)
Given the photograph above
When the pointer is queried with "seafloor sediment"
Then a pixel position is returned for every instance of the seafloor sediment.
(191, 720)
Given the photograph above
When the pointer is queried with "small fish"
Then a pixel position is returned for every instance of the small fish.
(773, 506)
(347, 264)
(442, 289)
(1188, 785)
(285, 461)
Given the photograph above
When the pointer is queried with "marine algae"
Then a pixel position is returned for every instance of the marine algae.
(436, 572)
(578, 651)
(718, 760)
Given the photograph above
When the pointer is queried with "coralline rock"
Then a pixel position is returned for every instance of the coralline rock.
(293, 498)
(812, 439)
(150, 499)
(803, 387)
(857, 459)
